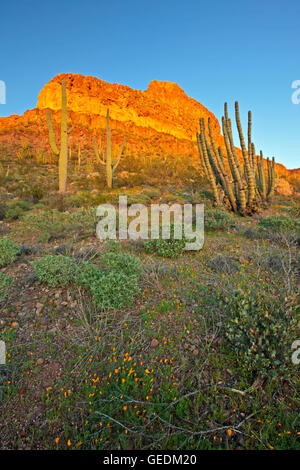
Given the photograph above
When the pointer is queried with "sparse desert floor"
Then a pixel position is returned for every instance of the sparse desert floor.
(201, 359)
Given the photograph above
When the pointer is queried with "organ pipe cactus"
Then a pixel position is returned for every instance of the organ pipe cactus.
(242, 187)
(63, 152)
(265, 188)
(106, 159)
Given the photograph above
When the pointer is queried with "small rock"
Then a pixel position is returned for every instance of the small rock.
(39, 307)
(154, 343)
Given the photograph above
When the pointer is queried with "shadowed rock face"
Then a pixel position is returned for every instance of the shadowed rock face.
(161, 119)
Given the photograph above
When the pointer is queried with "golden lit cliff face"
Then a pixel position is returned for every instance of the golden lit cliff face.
(163, 107)
(159, 120)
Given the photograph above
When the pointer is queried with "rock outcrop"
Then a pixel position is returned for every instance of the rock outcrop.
(159, 120)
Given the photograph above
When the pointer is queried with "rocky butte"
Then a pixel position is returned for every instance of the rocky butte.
(159, 120)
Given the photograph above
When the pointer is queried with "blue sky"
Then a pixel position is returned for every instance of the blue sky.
(216, 51)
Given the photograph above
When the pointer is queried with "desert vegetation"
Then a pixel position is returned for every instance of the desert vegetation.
(140, 344)
(242, 191)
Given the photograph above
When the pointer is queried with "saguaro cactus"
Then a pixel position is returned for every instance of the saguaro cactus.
(243, 187)
(63, 152)
(106, 159)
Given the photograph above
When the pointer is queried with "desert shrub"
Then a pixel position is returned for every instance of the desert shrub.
(113, 246)
(224, 264)
(295, 212)
(89, 274)
(3, 210)
(5, 283)
(169, 248)
(166, 248)
(56, 270)
(152, 192)
(217, 219)
(47, 223)
(279, 224)
(253, 234)
(138, 199)
(113, 289)
(171, 198)
(8, 251)
(122, 262)
(86, 253)
(85, 199)
(33, 193)
(54, 224)
(17, 209)
(207, 194)
(253, 325)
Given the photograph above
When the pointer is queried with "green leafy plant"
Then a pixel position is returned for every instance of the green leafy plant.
(122, 262)
(16, 209)
(5, 284)
(167, 248)
(56, 270)
(278, 223)
(8, 251)
(114, 289)
(217, 219)
(56, 224)
(253, 325)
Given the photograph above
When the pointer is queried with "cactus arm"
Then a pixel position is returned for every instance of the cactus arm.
(207, 162)
(109, 174)
(97, 153)
(272, 179)
(262, 175)
(63, 155)
(201, 155)
(248, 171)
(238, 183)
(117, 160)
(79, 157)
(51, 133)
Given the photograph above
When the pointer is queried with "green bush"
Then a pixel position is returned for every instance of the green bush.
(55, 224)
(16, 209)
(166, 248)
(279, 224)
(140, 198)
(114, 289)
(261, 332)
(217, 219)
(295, 212)
(8, 251)
(56, 270)
(3, 210)
(89, 274)
(122, 262)
(5, 283)
(152, 192)
(113, 246)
